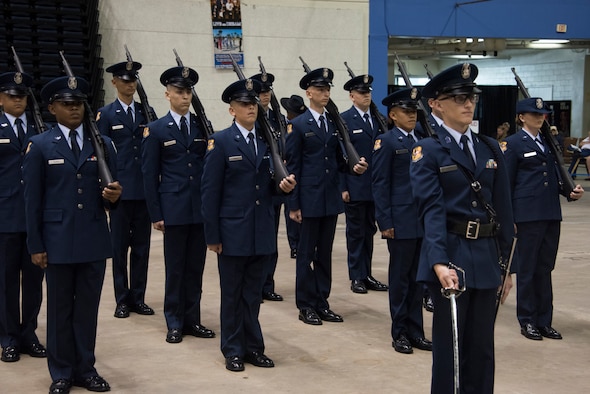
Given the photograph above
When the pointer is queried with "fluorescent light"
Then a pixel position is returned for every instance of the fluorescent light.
(542, 41)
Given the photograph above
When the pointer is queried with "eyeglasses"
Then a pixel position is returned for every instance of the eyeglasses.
(462, 98)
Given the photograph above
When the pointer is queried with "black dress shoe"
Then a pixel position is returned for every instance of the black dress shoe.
(258, 359)
(328, 315)
(122, 311)
(421, 343)
(373, 284)
(141, 309)
(174, 335)
(402, 345)
(36, 350)
(234, 364)
(93, 383)
(272, 296)
(550, 332)
(308, 316)
(358, 286)
(60, 386)
(531, 332)
(293, 253)
(10, 354)
(428, 304)
(198, 331)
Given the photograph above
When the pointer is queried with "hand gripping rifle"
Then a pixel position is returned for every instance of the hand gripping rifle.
(566, 181)
(350, 154)
(381, 121)
(104, 174)
(204, 123)
(505, 267)
(149, 111)
(274, 104)
(279, 171)
(421, 118)
(37, 118)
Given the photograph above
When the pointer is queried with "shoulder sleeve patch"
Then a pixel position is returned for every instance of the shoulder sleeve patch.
(289, 128)
(416, 154)
(146, 132)
(97, 116)
(377, 145)
(211, 144)
(503, 146)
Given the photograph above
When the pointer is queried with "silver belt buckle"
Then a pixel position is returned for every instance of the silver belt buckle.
(472, 231)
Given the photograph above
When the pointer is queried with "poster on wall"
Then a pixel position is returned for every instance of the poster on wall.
(227, 32)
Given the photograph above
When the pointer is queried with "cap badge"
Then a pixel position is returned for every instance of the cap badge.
(264, 77)
(539, 103)
(414, 93)
(72, 83)
(249, 84)
(185, 72)
(365, 79)
(129, 66)
(325, 73)
(466, 71)
(18, 78)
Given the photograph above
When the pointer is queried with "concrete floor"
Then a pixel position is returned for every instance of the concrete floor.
(352, 357)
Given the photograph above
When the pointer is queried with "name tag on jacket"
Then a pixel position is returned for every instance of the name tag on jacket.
(117, 127)
(530, 154)
(357, 131)
(4, 140)
(55, 161)
(234, 158)
(171, 142)
(448, 168)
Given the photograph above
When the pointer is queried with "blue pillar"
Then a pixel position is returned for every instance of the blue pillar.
(378, 48)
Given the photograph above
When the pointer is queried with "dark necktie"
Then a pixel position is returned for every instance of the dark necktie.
(20, 131)
(251, 143)
(184, 128)
(323, 124)
(130, 115)
(75, 146)
(368, 121)
(465, 143)
(411, 137)
(540, 143)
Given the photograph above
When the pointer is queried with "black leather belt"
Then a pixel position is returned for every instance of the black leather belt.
(471, 229)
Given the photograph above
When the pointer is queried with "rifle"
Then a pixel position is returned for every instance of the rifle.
(274, 104)
(36, 111)
(279, 171)
(421, 118)
(150, 114)
(428, 71)
(381, 121)
(350, 154)
(104, 174)
(566, 181)
(198, 106)
(505, 267)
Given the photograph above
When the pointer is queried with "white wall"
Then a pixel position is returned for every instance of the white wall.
(325, 33)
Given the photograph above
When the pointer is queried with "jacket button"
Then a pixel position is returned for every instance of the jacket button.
(474, 204)
(545, 184)
(78, 176)
(257, 202)
(80, 191)
(80, 206)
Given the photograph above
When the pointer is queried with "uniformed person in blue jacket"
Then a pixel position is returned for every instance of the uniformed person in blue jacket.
(68, 233)
(458, 230)
(123, 121)
(534, 181)
(266, 80)
(173, 153)
(397, 217)
(314, 156)
(356, 190)
(237, 189)
(18, 277)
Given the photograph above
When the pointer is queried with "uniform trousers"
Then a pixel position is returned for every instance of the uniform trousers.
(73, 297)
(292, 228)
(130, 235)
(537, 250)
(360, 229)
(18, 277)
(241, 279)
(184, 257)
(475, 315)
(314, 262)
(271, 264)
(405, 294)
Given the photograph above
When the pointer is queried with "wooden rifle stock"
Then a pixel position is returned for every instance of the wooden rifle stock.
(381, 120)
(274, 104)
(198, 106)
(36, 111)
(421, 118)
(279, 171)
(104, 173)
(566, 181)
(150, 114)
(351, 156)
